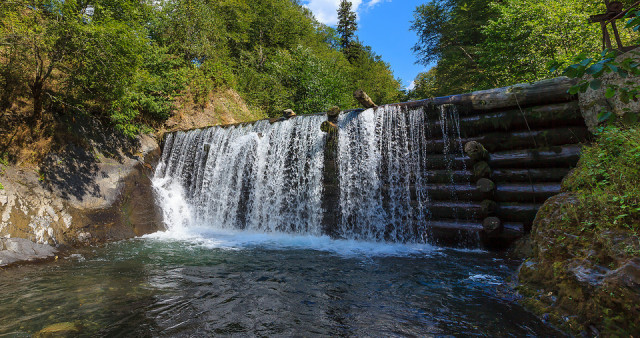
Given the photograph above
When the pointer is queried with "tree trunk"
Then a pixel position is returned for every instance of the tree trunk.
(36, 92)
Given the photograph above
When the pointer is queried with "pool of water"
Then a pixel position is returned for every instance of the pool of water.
(267, 285)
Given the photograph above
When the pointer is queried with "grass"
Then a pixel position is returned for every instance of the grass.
(607, 181)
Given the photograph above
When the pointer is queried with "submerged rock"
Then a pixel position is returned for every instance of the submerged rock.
(60, 330)
(14, 250)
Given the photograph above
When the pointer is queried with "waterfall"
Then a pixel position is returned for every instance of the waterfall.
(384, 171)
(261, 177)
(269, 177)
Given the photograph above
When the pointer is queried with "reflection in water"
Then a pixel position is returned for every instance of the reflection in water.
(267, 285)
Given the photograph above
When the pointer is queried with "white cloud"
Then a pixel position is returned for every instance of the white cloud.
(326, 11)
(411, 86)
(372, 3)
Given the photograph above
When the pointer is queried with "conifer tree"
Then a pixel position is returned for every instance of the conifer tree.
(347, 27)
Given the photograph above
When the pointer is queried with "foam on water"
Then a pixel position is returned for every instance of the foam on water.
(228, 239)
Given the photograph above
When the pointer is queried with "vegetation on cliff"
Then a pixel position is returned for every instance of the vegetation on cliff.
(130, 62)
(584, 273)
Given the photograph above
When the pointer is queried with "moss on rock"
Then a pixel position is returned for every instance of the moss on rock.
(584, 270)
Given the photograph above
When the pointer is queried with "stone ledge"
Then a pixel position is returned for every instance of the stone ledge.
(15, 250)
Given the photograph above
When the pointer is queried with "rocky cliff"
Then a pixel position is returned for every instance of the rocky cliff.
(81, 196)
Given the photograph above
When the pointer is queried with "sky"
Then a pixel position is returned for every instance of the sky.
(383, 25)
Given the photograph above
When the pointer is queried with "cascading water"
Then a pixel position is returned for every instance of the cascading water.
(269, 177)
(384, 170)
(261, 177)
(375, 165)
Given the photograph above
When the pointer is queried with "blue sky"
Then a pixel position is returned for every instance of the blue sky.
(383, 25)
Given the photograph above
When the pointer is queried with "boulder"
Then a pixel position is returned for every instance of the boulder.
(586, 280)
(592, 102)
(83, 196)
(14, 250)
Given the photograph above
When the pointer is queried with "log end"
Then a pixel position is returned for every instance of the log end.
(485, 185)
(481, 170)
(489, 207)
(476, 151)
(492, 225)
(288, 113)
(364, 99)
(333, 113)
(329, 127)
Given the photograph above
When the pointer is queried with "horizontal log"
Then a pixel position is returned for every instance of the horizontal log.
(453, 225)
(520, 95)
(501, 141)
(448, 176)
(452, 162)
(449, 192)
(534, 118)
(562, 156)
(458, 210)
(523, 213)
(505, 192)
(528, 193)
(503, 240)
(529, 175)
(466, 233)
(559, 156)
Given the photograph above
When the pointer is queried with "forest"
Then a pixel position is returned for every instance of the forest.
(483, 44)
(128, 62)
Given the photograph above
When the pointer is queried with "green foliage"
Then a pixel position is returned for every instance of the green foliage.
(606, 180)
(481, 44)
(347, 27)
(607, 62)
(126, 60)
(526, 34)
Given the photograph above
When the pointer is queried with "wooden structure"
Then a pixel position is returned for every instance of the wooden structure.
(615, 11)
(520, 142)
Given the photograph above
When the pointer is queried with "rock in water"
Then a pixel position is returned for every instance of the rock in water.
(65, 329)
(14, 250)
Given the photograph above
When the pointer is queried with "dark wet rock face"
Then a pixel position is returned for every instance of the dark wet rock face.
(78, 197)
(586, 281)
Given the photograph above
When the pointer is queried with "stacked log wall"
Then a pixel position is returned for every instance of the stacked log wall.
(533, 134)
